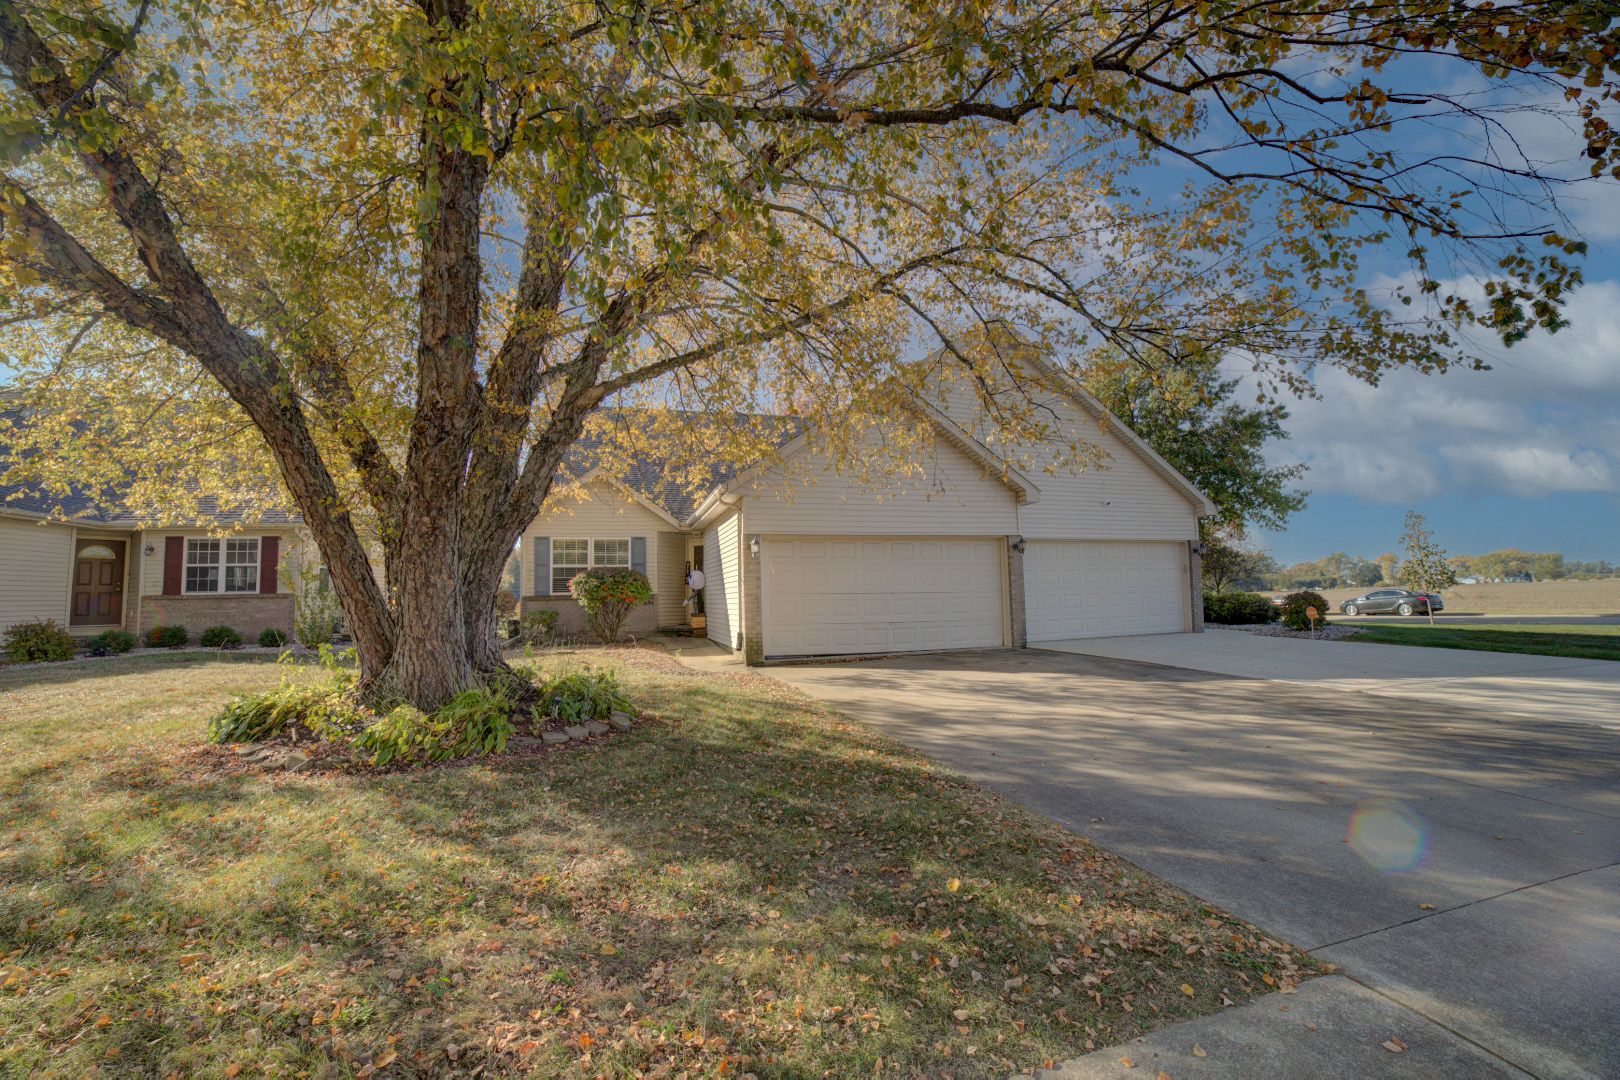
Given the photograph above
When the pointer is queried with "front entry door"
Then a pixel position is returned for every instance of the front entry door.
(98, 583)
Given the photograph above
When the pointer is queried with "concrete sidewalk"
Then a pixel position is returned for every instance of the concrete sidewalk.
(1331, 1029)
(1546, 687)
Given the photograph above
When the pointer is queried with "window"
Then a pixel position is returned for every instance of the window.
(202, 566)
(610, 553)
(569, 557)
(233, 562)
(242, 564)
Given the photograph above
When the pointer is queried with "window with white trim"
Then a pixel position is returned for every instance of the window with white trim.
(610, 552)
(569, 557)
(230, 565)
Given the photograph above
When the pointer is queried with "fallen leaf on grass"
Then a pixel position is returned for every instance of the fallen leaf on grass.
(953, 884)
(385, 1059)
(1186, 989)
(232, 1070)
(961, 1014)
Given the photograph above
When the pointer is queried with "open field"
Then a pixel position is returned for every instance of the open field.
(746, 882)
(1586, 642)
(1600, 597)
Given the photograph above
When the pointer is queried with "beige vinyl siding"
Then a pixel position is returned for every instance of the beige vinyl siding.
(722, 590)
(671, 567)
(35, 561)
(1121, 499)
(607, 512)
(955, 499)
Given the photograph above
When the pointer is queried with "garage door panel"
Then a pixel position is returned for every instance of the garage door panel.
(881, 595)
(1083, 589)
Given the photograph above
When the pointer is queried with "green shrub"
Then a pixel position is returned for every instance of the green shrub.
(219, 637)
(1238, 608)
(587, 694)
(167, 637)
(474, 722)
(538, 625)
(38, 640)
(323, 709)
(1294, 605)
(607, 595)
(271, 638)
(113, 641)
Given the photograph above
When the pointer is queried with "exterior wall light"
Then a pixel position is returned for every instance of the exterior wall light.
(753, 546)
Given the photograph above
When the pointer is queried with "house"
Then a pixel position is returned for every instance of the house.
(93, 566)
(978, 553)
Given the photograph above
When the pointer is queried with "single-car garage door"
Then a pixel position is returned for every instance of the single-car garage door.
(862, 595)
(1084, 588)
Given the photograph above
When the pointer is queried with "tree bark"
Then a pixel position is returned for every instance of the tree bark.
(431, 662)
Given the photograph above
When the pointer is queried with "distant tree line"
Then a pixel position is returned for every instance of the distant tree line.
(1239, 568)
(1510, 563)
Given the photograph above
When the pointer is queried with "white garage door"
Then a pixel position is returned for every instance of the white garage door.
(1080, 588)
(840, 596)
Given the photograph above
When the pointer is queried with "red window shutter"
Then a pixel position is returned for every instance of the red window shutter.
(269, 552)
(174, 563)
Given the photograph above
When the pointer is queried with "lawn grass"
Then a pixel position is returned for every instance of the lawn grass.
(1590, 642)
(746, 883)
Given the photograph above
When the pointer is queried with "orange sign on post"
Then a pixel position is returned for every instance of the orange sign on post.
(1310, 613)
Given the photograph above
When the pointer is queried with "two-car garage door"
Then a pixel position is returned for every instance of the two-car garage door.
(830, 596)
(841, 596)
(1082, 588)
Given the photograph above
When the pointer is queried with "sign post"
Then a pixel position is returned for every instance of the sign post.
(1311, 614)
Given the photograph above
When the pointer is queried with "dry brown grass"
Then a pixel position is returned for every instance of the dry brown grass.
(1520, 598)
(748, 882)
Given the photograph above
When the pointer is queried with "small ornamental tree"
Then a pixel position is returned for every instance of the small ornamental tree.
(1425, 567)
(607, 595)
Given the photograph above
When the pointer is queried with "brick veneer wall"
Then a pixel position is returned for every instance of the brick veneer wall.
(571, 617)
(247, 615)
(1195, 582)
(1015, 593)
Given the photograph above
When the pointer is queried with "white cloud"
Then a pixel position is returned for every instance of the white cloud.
(1545, 419)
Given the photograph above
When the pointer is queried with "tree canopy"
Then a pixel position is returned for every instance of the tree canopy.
(387, 260)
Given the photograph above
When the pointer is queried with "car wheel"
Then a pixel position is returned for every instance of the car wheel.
(1407, 609)
(1351, 609)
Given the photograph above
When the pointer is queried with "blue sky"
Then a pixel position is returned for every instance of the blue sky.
(1526, 455)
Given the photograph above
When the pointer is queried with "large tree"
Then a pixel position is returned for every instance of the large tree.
(1187, 412)
(400, 253)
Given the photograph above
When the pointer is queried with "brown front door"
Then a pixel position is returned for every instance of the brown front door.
(98, 583)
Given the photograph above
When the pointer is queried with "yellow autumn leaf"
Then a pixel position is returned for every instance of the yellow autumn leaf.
(953, 884)
(1186, 989)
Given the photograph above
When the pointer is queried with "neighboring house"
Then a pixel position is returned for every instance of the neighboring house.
(978, 554)
(93, 567)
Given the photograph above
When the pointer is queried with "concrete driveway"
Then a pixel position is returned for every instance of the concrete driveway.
(1464, 864)
(1556, 687)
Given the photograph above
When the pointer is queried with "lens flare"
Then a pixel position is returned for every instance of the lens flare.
(1388, 835)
